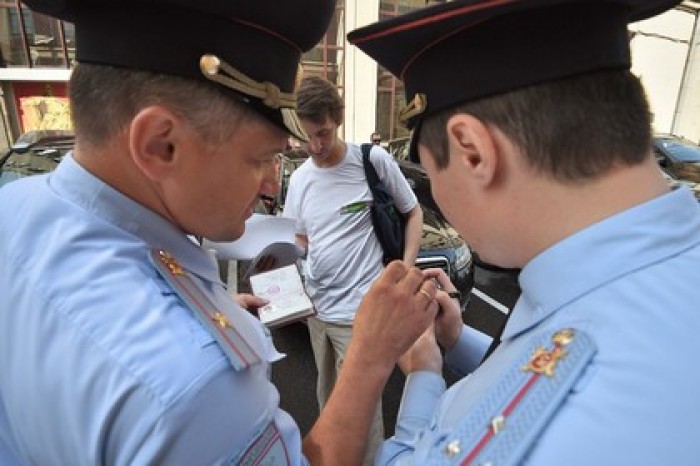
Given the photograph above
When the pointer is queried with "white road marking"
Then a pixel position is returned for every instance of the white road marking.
(484, 297)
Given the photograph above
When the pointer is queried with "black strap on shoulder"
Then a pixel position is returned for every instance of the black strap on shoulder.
(370, 171)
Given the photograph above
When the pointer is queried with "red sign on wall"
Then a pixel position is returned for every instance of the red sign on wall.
(42, 105)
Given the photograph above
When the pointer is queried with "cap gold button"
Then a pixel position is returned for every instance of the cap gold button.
(209, 64)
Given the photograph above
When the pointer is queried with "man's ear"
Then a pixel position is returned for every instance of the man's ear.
(153, 134)
(472, 147)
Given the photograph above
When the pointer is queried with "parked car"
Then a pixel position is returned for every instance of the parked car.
(398, 147)
(441, 245)
(34, 152)
(679, 157)
(674, 182)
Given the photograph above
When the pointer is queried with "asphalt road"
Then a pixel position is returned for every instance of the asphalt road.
(494, 294)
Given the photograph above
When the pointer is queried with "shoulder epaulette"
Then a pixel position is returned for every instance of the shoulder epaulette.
(507, 421)
(239, 351)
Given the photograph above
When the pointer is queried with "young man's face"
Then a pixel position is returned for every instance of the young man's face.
(323, 138)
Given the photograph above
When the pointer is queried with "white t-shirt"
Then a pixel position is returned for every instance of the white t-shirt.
(331, 207)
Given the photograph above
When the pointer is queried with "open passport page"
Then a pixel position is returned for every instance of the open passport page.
(283, 288)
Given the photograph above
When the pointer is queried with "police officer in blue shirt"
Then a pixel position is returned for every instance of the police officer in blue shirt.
(118, 343)
(536, 137)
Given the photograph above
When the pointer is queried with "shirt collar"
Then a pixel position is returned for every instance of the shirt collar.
(80, 187)
(635, 238)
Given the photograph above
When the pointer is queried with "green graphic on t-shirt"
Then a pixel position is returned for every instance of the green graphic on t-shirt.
(354, 207)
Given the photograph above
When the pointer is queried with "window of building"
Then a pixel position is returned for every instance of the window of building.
(327, 59)
(13, 50)
(33, 40)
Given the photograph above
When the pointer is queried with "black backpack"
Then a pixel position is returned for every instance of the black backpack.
(389, 224)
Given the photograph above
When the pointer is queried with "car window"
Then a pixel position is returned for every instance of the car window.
(35, 152)
(680, 151)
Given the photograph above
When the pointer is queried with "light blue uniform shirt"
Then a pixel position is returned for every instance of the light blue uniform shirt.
(632, 283)
(100, 362)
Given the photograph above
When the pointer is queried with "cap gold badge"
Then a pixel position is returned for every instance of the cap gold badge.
(415, 107)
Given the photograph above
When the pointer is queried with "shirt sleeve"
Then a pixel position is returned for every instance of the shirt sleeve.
(421, 396)
(468, 352)
(292, 208)
(214, 425)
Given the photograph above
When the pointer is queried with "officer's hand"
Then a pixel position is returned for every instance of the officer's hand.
(424, 355)
(396, 310)
(448, 323)
(249, 302)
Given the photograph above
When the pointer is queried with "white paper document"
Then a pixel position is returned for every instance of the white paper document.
(260, 232)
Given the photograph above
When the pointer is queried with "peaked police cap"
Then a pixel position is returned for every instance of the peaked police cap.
(465, 50)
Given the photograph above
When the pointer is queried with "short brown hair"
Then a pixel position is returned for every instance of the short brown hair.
(104, 99)
(318, 98)
(572, 129)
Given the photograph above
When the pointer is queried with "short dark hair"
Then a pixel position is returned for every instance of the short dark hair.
(105, 98)
(318, 98)
(572, 129)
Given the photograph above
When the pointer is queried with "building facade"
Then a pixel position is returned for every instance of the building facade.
(37, 52)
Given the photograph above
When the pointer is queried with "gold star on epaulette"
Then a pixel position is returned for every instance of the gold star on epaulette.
(172, 263)
(563, 337)
(221, 319)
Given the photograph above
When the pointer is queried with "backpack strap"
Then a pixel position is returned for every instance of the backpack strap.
(370, 171)
(239, 352)
(507, 422)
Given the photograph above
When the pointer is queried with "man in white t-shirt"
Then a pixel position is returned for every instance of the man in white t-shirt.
(330, 198)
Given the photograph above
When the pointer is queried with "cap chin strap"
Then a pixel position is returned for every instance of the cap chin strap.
(217, 70)
(291, 121)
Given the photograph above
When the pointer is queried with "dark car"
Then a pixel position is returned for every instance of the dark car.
(398, 147)
(679, 157)
(34, 152)
(674, 182)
